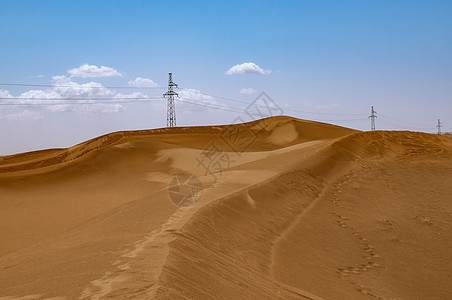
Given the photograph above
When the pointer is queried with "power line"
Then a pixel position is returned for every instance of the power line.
(398, 124)
(79, 98)
(185, 100)
(347, 120)
(405, 127)
(79, 103)
(293, 110)
(399, 121)
(392, 124)
(79, 86)
(128, 87)
(124, 100)
(238, 110)
(327, 114)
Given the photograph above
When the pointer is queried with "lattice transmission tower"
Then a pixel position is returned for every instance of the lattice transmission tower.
(439, 126)
(372, 117)
(171, 109)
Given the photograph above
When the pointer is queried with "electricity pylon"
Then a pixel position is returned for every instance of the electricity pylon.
(372, 117)
(439, 126)
(171, 110)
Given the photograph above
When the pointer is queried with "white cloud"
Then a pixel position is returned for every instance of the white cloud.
(77, 97)
(142, 82)
(90, 71)
(25, 115)
(248, 91)
(247, 68)
(38, 94)
(40, 76)
(67, 88)
(5, 94)
(64, 87)
(35, 97)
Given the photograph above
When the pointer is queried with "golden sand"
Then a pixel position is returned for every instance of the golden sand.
(292, 209)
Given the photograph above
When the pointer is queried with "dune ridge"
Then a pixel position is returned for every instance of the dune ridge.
(306, 211)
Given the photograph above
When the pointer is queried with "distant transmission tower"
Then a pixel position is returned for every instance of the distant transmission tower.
(171, 110)
(372, 117)
(439, 126)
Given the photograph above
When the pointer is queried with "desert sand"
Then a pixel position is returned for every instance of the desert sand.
(278, 208)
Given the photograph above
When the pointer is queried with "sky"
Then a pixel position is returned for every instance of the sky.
(74, 70)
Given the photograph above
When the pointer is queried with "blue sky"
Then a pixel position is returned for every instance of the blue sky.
(318, 60)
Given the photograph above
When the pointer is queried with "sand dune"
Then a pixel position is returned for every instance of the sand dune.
(289, 209)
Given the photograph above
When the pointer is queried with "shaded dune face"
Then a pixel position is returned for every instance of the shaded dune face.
(302, 210)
